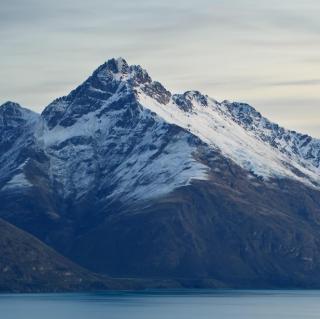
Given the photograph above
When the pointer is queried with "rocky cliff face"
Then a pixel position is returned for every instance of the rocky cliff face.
(127, 178)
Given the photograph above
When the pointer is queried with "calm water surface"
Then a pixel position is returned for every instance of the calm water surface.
(157, 304)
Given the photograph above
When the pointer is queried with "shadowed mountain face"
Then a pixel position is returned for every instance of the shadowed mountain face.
(128, 179)
(28, 265)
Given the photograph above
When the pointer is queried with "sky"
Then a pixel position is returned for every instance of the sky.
(265, 53)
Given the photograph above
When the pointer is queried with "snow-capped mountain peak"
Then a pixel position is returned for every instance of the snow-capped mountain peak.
(240, 133)
(119, 70)
(113, 68)
(9, 105)
(126, 136)
(11, 113)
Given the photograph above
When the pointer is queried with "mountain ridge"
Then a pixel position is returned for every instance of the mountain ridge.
(122, 175)
(303, 149)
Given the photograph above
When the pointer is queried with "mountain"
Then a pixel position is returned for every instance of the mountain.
(28, 265)
(127, 179)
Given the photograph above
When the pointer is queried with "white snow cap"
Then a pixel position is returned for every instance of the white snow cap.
(119, 116)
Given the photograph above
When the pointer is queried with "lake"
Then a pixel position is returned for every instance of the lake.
(195, 304)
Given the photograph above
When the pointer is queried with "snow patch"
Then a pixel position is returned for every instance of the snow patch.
(218, 130)
(17, 181)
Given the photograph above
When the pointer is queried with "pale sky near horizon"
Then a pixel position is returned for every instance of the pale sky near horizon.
(265, 53)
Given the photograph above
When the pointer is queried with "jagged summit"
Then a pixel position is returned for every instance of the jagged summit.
(187, 100)
(112, 80)
(14, 107)
(119, 65)
(119, 70)
(10, 104)
(11, 109)
(13, 114)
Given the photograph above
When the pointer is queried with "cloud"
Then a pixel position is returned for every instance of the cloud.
(232, 48)
(306, 82)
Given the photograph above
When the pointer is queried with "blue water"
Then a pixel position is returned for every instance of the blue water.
(171, 304)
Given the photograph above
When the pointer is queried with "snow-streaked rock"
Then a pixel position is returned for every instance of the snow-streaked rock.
(217, 126)
(17, 126)
(126, 137)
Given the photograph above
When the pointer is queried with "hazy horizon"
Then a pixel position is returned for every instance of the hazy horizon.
(265, 54)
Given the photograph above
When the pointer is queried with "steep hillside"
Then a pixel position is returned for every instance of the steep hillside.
(28, 265)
